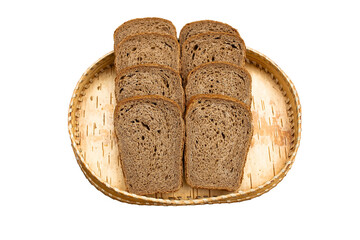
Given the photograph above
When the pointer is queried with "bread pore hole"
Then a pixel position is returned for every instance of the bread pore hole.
(146, 126)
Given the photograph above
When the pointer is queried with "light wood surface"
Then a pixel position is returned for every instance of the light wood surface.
(276, 120)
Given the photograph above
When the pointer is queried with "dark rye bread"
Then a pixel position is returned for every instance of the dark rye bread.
(218, 136)
(144, 25)
(149, 79)
(203, 26)
(150, 138)
(211, 47)
(153, 48)
(220, 78)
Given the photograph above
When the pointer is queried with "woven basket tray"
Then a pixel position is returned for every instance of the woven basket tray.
(277, 127)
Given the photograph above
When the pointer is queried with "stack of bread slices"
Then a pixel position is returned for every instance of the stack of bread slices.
(151, 105)
(218, 98)
(148, 116)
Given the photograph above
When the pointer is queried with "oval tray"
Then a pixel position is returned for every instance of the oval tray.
(277, 127)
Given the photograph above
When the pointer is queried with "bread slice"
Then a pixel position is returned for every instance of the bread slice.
(149, 79)
(220, 78)
(210, 47)
(203, 26)
(144, 25)
(218, 136)
(151, 48)
(150, 138)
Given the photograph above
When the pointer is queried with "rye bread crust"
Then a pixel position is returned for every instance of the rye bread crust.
(127, 24)
(184, 32)
(182, 139)
(187, 57)
(178, 84)
(189, 107)
(176, 52)
(192, 78)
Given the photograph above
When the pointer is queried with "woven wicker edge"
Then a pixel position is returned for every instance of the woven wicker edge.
(228, 198)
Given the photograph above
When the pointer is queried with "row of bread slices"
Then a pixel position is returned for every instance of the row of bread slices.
(150, 105)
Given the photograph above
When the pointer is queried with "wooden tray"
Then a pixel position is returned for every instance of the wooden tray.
(277, 128)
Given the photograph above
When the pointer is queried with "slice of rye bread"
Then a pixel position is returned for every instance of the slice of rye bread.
(220, 78)
(149, 79)
(218, 136)
(153, 48)
(203, 26)
(211, 47)
(150, 136)
(144, 25)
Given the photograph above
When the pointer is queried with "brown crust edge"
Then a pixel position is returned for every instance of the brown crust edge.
(220, 97)
(144, 19)
(148, 65)
(211, 33)
(147, 34)
(188, 25)
(150, 97)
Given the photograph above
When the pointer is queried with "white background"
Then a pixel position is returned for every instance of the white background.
(46, 46)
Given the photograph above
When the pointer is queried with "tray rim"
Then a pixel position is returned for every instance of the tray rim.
(127, 197)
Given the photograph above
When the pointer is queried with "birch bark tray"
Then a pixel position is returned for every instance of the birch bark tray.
(277, 127)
